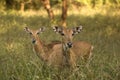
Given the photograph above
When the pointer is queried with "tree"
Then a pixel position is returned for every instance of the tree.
(15, 4)
(10, 4)
(2, 5)
(47, 6)
(64, 12)
(23, 3)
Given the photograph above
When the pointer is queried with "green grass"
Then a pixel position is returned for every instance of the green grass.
(100, 27)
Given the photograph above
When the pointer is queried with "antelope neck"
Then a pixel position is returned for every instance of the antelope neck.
(66, 53)
(64, 47)
(39, 48)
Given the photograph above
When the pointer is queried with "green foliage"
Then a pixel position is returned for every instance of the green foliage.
(36, 4)
(19, 62)
(55, 2)
(98, 3)
(2, 4)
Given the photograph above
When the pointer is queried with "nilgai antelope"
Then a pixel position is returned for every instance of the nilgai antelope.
(51, 53)
(77, 49)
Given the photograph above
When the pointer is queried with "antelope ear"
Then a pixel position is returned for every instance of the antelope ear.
(57, 29)
(41, 30)
(77, 30)
(27, 29)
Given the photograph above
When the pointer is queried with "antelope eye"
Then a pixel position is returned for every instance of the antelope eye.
(30, 33)
(38, 33)
(72, 34)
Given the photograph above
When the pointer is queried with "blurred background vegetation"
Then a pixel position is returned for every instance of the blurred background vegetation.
(36, 4)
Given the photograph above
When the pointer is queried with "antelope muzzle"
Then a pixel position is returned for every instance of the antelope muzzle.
(69, 44)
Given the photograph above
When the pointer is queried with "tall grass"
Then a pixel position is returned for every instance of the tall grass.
(100, 27)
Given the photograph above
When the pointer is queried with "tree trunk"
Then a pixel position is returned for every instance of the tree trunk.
(64, 12)
(93, 3)
(47, 6)
(22, 6)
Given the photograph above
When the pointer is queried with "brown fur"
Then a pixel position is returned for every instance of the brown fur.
(82, 48)
(51, 53)
(79, 49)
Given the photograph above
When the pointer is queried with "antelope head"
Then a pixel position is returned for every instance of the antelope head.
(34, 34)
(67, 34)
